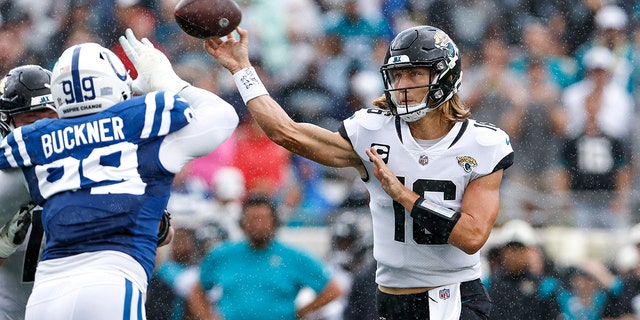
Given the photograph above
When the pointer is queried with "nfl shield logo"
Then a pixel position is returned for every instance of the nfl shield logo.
(444, 294)
(423, 160)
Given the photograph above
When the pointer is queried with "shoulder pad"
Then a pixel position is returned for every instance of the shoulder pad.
(370, 119)
(488, 134)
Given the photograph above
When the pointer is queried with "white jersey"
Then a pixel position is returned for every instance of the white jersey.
(407, 256)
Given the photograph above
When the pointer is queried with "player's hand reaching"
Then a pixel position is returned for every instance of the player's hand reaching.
(14, 232)
(231, 53)
(390, 183)
(155, 72)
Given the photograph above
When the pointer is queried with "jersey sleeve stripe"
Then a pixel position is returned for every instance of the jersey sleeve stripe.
(150, 110)
(15, 150)
(165, 123)
(8, 155)
(22, 147)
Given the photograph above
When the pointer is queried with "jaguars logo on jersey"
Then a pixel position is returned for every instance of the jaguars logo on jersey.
(467, 163)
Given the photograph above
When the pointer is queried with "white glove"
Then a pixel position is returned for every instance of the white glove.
(155, 72)
(14, 232)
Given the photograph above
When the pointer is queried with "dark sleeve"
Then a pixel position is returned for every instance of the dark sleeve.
(505, 163)
(361, 301)
(343, 132)
(619, 302)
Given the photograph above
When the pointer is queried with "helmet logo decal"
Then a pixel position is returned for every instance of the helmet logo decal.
(41, 99)
(468, 163)
(442, 41)
(122, 77)
(399, 59)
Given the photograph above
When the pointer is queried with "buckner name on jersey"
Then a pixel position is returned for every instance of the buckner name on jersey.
(102, 130)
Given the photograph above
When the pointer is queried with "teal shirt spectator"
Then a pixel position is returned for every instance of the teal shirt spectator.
(571, 306)
(562, 71)
(260, 284)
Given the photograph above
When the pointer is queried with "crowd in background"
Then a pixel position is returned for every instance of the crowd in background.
(560, 77)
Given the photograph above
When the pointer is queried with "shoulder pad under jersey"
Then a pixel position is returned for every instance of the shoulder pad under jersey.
(370, 119)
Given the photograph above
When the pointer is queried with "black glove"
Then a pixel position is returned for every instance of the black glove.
(163, 229)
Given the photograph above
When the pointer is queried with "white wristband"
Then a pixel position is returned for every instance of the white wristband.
(249, 85)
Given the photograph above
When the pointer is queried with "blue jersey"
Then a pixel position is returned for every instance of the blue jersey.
(98, 177)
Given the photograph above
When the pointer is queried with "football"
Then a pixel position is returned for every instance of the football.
(208, 18)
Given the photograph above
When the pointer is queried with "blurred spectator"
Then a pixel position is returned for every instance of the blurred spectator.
(167, 31)
(536, 127)
(305, 31)
(596, 156)
(306, 202)
(173, 279)
(308, 100)
(466, 21)
(263, 163)
(349, 251)
(143, 21)
(615, 107)
(260, 277)
(491, 88)
(270, 22)
(517, 289)
(357, 31)
(361, 301)
(627, 307)
(590, 288)
(73, 25)
(333, 66)
(578, 18)
(611, 33)
(225, 206)
(15, 28)
(539, 45)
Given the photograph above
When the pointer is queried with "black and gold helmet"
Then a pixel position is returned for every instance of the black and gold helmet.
(426, 47)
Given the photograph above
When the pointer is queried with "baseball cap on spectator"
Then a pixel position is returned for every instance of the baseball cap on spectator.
(598, 58)
(611, 17)
(518, 232)
(229, 184)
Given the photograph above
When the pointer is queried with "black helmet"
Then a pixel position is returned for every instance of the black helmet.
(428, 47)
(24, 89)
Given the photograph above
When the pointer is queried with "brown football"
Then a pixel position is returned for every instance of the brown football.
(208, 18)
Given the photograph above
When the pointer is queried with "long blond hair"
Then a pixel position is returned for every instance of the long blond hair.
(451, 110)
